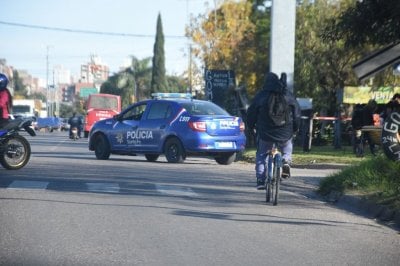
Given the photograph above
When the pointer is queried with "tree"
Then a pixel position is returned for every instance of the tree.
(158, 78)
(66, 110)
(177, 84)
(223, 40)
(321, 67)
(131, 84)
(141, 72)
(367, 22)
(367, 26)
(38, 95)
(261, 18)
(19, 87)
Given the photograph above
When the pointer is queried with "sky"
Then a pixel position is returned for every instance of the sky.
(28, 48)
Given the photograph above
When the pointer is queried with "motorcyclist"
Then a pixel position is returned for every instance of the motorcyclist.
(5, 101)
(75, 121)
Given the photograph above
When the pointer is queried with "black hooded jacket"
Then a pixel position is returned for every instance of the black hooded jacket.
(258, 111)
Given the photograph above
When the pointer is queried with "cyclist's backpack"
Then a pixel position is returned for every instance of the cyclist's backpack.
(277, 108)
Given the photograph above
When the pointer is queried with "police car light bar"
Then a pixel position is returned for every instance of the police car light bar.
(171, 95)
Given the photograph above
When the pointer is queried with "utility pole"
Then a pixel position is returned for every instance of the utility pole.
(190, 51)
(283, 25)
(47, 81)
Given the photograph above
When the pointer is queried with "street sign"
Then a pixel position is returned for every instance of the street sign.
(85, 92)
(217, 84)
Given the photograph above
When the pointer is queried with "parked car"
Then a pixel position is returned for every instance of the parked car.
(64, 124)
(49, 123)
(173, 125)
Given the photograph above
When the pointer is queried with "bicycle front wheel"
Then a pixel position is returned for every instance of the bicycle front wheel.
(277, 181)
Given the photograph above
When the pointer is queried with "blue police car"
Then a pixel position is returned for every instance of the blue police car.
(171, 124)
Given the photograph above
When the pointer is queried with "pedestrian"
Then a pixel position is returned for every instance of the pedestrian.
(357, 124)
(391, 106)
(368, 120)
(266, 129)
(5, 101)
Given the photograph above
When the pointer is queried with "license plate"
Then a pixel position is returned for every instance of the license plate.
(224, 144)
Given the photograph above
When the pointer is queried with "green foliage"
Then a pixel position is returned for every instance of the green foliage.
(323, 56)
(37, 95)
(66, 110)
(321, 67)
(377, 178)
(367, 21)
(261, 44)
(141, 73)
(158, 78)
(176, 84)
(364, 27)
(224, 40)
(132, 83)
(19, 87)
(317, 155)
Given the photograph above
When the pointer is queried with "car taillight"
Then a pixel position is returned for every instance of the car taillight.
(198, 126)
(242, 126)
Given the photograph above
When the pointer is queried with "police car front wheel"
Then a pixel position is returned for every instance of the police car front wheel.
(101, 148)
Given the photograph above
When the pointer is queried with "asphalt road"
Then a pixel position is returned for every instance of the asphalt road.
(67, 208)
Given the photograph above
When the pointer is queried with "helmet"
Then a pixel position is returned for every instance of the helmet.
(3, 81)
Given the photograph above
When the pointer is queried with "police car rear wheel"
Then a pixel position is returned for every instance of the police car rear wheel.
(151, 157)
(174, 151)
(225, 158)
(102, 148)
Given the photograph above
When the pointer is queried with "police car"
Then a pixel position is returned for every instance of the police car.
(170, 124)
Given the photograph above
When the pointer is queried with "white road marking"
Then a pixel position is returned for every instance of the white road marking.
(28, 184)
(175, 190)
(103, 187)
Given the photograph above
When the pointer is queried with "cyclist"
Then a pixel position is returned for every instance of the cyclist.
(266, 133)
(5, 101)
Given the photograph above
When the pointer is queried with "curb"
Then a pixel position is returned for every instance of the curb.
(379, 212)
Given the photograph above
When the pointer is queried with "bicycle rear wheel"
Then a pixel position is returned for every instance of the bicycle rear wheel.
(268, 189)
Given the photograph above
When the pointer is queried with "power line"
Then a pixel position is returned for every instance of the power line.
(85, 31)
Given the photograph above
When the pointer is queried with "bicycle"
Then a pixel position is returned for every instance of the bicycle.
(273, 180)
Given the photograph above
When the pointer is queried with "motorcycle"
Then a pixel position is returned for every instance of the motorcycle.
(15, 150)
(74, 133)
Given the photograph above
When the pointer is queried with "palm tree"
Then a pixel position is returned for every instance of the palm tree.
(141, 74)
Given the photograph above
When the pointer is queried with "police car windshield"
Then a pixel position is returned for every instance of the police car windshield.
(203, 108)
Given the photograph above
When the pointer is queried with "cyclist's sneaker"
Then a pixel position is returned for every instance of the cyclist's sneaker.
(260, 184)
(285, 170)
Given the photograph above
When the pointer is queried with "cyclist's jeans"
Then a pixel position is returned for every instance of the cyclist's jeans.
(263, 148)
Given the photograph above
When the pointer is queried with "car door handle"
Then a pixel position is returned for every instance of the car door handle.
(163, 126)
(135, 127)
